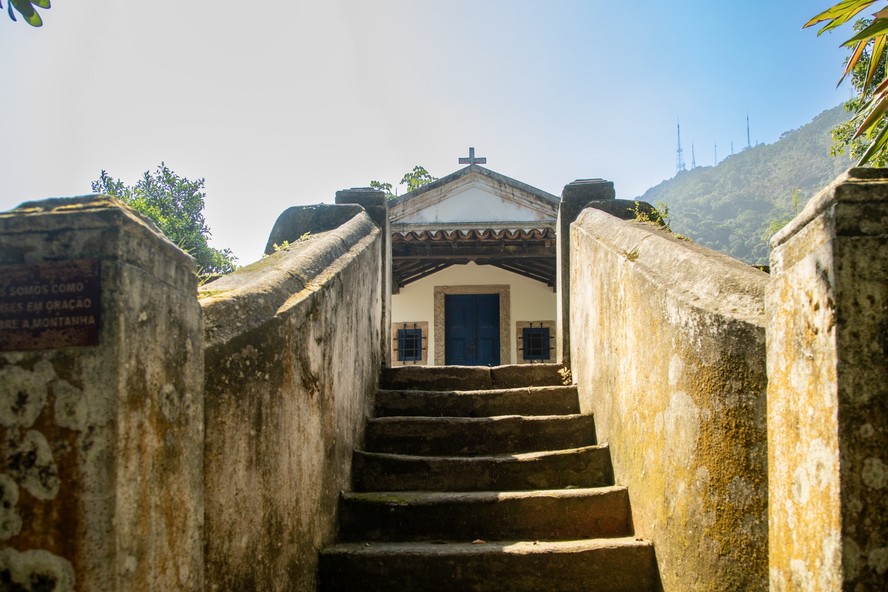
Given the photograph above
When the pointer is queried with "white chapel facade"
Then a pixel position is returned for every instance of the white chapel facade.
(473, 272)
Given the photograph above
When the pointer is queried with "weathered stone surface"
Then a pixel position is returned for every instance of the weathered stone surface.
(827, 395)
(557, 514)
(35, 571)
(101, 489)
(574, 198)
(603, 565)
(372, 200)
(293, 357)
(589, 466)
(245, 300)
(624, 209)
(471, 377)
(586, 190)
(668, 351)
(376, 206)
(295, 222)
(478, 435)
(550, 519)
(366, 197)
(541, 400)
(10, 520)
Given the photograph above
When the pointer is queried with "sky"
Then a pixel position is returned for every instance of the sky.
(282, 103)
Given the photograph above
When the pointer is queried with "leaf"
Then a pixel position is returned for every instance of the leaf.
(838, 14)
(877, 91)
(875, 58)
(876, 147)
(871, 120)
(852, 61)
(41, 3)
(26, 10)
(878, 27)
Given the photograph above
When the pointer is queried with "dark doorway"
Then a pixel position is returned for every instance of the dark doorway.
(471, 329)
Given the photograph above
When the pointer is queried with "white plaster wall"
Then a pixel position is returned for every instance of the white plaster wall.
(530, 300)
(475, 203)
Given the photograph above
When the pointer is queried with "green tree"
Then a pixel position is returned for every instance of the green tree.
(385, 188)
(176, 205)
(413, 180)
(417, 178)
(26, 9)
(843, 135)
(867, 133)
(775, 224)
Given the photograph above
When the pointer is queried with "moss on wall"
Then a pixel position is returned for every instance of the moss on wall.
(293, 359)
(668, 349)
(828, 399)
(102, 444)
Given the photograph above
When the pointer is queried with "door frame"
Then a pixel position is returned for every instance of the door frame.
(504, 317)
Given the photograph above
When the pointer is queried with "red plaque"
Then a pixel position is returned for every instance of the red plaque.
(50, 304)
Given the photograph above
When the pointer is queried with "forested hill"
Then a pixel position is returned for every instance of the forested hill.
(729, 207)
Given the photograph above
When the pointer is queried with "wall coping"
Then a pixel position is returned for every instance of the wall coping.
(829, 196)
(106, 209)
(699, 276)
(250, 296)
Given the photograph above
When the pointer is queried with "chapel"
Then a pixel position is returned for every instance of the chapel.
(473, 271)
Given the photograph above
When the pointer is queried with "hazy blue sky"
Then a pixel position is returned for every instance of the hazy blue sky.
(281, 103)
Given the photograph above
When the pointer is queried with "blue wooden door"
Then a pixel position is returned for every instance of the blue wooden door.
(471, 329)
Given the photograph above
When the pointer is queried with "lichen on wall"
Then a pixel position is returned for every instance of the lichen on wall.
(828, 401)
(35, 570)
(100, 487)
(293, 358)
(30, 477)
(668, 351)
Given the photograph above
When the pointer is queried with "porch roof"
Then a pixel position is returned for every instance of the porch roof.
(418, 253)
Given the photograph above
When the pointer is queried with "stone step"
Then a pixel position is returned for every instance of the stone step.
(600, 565)
(541, 400)
(470, 378)
(425, 436)
(589, 466)
(560, 514)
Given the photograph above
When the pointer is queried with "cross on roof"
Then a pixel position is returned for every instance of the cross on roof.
(471, 159)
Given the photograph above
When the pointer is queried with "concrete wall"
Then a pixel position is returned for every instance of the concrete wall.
(100, 432)
(827, 395)
(529, 300)
(668, 351)
(293, 354)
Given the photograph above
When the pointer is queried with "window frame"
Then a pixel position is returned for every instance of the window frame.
(529, 335)
(413, 335)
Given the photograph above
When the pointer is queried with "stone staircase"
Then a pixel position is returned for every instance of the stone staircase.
(472, 479)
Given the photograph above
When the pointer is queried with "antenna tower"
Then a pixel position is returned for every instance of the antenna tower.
(679, 160)
(748, 143)
(693, 158)
(715, 153)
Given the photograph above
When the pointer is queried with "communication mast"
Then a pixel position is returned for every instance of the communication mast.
(693, 158)
(748, 142)
(679, 160)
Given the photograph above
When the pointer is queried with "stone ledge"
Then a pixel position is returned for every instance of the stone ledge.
(851, 187)
(250, 296)
(57, 215)
(697, 275)
(295, 222)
